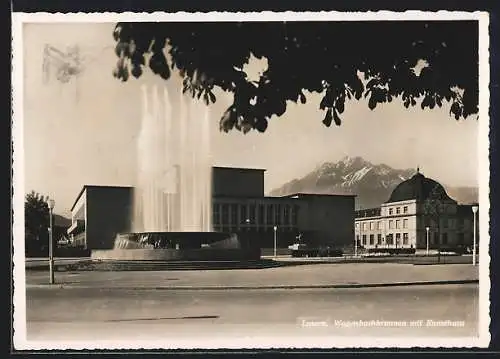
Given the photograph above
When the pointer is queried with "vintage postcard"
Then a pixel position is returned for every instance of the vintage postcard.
(251, 180)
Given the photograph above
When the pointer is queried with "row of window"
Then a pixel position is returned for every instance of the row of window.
(78, 239)
(377, 225)
(395, 239)
(373, 225)
(398, 224)
(243, 214)
(398, 210)
(446, 223)
(434, 238)
(389, 239)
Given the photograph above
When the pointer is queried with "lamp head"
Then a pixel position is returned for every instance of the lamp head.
(474, 209)
(427, 229)
(275, 228)
(51, 203)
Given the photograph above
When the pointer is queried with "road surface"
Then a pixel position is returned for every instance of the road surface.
(90, 315)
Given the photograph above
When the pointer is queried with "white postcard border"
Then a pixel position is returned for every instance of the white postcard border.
(20, 340)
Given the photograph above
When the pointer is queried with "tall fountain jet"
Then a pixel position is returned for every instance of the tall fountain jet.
(173, 192)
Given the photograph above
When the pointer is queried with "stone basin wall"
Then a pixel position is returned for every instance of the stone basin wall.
(202, 254)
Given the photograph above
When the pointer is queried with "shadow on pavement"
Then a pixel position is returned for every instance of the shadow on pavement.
(163, 318)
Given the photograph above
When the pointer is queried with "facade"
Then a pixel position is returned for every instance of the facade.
(238, 206)
(98, 214)
(418, 209)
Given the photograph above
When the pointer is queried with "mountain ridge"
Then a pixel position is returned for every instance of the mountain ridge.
(372, 183)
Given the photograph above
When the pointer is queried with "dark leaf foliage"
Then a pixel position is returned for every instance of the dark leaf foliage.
(321, 57)
(36, 214)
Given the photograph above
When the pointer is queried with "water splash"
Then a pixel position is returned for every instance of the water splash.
(174, 181)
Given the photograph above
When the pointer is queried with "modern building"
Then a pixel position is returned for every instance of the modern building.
(418, 211)
(98, 214)
(238, 206)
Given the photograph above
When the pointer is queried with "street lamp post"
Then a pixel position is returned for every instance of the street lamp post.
(51, 203)
(427, 236)
(474, 211)
(356, 240)
(275, 241)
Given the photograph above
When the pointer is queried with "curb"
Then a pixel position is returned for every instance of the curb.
(325, 286)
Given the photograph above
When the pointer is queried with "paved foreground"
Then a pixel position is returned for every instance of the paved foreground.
(304, 275)
(93, 315)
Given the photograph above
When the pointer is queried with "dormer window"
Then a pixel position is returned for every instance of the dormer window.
(398, 210)
(390, 211)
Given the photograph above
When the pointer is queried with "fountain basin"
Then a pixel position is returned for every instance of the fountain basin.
(179, 246)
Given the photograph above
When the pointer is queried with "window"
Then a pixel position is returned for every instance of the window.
(445, 238)
(270, 213)
(252, 213)
(234, 214)
(225, 214)
(389, 239)
(243, 214)
(461, 238)
(405, 223)
(216, 214)
(379, 239)
(277, 214)
(436, 238)
(405, 238)
(397, 224)
(357, 239)
(372, 239)
(398, 210)
(391, 224)
(378, 224)
(405, 209)
(398, 238)
(286, 214)
(261, 213)
(295, 215)
(445, 223)
(364, 239)
(371, 226)
(357, 226)
(364, 226)
(390, 211)
(452, 223)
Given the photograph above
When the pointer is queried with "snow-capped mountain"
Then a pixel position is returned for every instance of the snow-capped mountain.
(371, 183)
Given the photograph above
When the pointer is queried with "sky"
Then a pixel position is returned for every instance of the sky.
(85, 131)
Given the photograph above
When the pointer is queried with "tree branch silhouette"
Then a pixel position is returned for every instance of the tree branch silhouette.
(343, 61)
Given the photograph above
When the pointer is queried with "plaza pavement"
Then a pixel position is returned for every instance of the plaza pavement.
(194, 308)
(328, 275)
(94, 317)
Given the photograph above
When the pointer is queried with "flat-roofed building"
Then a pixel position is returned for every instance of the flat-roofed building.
(239, 205)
